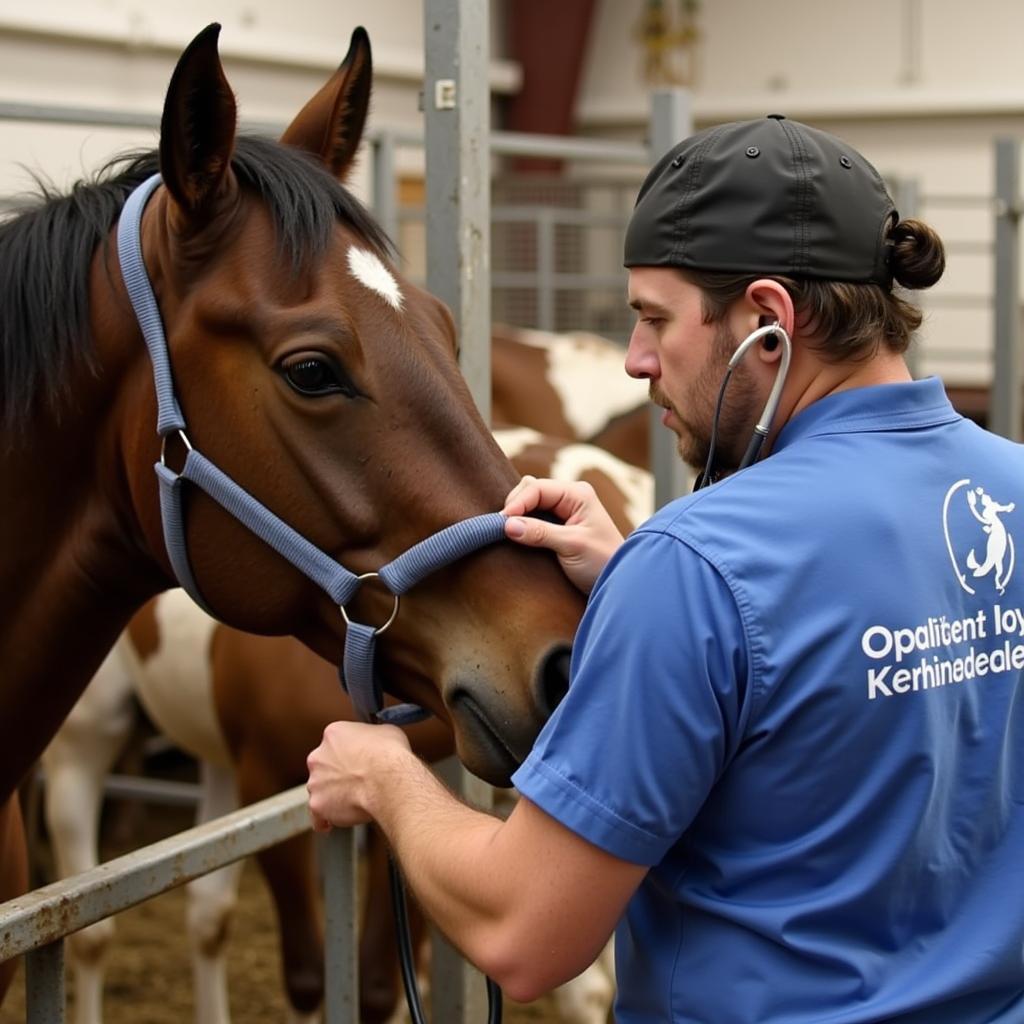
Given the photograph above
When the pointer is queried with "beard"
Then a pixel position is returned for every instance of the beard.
(736, 420)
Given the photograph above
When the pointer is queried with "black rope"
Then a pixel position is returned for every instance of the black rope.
(407, 959)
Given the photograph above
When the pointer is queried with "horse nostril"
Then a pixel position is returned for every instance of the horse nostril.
(553, 679)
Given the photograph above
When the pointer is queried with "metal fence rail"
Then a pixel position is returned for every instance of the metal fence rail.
(37, 923)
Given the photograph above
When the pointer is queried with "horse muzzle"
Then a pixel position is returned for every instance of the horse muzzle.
(492, 737)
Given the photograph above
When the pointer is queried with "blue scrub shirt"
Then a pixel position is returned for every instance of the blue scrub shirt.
(797, 696)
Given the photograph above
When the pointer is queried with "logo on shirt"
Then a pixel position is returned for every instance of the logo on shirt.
(979, 544)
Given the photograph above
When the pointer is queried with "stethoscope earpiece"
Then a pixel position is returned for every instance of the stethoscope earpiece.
(773, 334)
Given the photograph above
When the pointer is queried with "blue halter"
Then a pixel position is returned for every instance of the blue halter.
(401, 574)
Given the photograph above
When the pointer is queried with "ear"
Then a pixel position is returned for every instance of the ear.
(330, 125)
(768, 301)
(197, 130)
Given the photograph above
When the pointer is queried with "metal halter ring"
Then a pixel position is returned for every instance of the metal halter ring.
(391, 617)
(163, 444)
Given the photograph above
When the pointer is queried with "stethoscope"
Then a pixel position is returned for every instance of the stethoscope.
(763, 425)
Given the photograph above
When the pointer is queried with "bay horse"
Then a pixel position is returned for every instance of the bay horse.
(310, 371)
(249, 708)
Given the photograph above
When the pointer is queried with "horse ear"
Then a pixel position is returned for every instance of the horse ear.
(197, 130)
(331, 124)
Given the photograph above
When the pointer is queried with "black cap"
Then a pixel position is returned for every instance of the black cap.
(770, 196)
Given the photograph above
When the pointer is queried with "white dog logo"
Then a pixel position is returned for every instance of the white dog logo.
(999, 553)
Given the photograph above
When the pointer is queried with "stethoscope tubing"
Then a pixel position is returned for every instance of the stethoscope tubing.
(407, 960)
(764, 423)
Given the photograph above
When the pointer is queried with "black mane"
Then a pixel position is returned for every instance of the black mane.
(46, 252)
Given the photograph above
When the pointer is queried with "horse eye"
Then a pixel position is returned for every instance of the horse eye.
(312, 376)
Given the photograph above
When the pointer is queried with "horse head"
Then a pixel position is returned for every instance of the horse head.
(327, 385)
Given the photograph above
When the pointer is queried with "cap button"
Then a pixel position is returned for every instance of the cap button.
(777, 117)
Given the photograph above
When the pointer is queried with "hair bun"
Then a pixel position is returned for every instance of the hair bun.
(918, 255)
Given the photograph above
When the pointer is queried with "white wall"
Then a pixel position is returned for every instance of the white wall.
(120, 54)
(821, 58)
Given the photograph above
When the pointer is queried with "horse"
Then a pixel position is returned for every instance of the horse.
(309, 371)
(570, 386)
(250, 708)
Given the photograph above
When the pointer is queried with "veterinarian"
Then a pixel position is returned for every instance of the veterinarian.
(790, 766)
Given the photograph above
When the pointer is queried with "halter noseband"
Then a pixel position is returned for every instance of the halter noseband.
(405, 571)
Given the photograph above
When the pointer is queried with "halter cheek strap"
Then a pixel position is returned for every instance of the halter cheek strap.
(357, 671)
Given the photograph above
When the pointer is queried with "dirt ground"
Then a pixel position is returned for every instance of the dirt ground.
(148, 976)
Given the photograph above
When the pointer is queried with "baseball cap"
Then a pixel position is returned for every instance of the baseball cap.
(770, 196)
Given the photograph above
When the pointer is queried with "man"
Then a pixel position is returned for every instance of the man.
(791, 758)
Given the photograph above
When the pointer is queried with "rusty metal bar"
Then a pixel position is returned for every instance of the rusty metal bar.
(56, 910)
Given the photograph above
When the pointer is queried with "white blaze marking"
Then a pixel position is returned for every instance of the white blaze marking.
(368, 269)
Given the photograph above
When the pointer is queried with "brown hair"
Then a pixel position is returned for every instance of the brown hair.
(851, 319)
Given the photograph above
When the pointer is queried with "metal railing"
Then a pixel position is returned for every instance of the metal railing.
(542, 225)
(37, 924)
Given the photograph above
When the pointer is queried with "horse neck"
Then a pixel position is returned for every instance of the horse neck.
(75, 566)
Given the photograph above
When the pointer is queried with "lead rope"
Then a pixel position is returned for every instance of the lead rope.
(357, 672)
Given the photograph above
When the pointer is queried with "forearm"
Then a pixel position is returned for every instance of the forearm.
(447, 853)
(527, 900)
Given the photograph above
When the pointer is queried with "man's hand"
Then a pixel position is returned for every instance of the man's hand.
(584, 544)
(351, 761)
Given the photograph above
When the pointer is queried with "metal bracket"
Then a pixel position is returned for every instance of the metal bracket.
(444, 94)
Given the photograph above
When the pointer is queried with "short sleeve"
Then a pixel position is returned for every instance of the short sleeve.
(655, 703)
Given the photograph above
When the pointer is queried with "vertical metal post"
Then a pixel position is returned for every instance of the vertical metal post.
(907, 197)
(458, 991)
(545, 269)
(385, 202)
(456, 106)
(337, 852)
(45, 1000)
(910, 42)
(671, 122)
(1005, 414)
(456, 115)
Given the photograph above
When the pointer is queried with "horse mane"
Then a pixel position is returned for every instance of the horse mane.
(46, 252)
